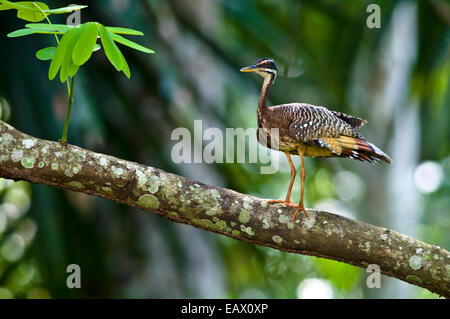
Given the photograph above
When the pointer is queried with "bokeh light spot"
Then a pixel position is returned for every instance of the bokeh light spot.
(314, 288)
(13, 248)
(428, 176)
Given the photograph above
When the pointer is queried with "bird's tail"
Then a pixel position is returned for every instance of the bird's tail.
(359, 149)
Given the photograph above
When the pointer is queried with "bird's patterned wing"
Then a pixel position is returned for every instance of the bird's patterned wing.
(337, 132)
(354, 121)
(310, 122)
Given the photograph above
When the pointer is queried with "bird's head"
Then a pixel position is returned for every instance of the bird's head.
(264, 67)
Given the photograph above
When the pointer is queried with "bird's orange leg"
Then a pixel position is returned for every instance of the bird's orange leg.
(300, 206)
(287, 201)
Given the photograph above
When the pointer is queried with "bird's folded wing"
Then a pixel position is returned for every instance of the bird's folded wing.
(312, 122)
(354, 121)
(337, 132)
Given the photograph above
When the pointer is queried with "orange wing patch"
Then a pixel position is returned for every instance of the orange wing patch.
(346, 143)
(355, 148)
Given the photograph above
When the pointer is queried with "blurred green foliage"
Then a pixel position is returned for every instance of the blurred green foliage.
(19, 274)
(395, 77)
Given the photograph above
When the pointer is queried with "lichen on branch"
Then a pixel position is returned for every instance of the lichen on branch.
(243, 217)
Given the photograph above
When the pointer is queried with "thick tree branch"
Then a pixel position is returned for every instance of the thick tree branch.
(223, 211)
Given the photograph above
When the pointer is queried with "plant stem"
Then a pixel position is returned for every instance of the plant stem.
(56, 36)
(69, 111)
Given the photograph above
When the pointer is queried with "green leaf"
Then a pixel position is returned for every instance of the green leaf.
(41, 28)
(112, 51)
(4, 5)
(68, 67)
(35, 11)
(65, 9)
(29, 12)
(59, 53)
(26, 10)
(73, 69)
(20, 33)
(97, 47)
(85, 44)
(49, 27)
(124, 31)
(46, 54)
(130, 44)
(125, 68)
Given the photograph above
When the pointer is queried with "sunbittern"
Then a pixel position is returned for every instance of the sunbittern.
(308, 130)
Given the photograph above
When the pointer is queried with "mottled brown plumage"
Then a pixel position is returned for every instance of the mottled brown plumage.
(308, 130)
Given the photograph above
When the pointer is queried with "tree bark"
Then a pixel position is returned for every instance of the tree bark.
(222, 211)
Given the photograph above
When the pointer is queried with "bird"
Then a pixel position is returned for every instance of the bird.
(308, 131)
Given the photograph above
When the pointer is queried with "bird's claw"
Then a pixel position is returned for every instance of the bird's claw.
(289, 203)
(282, 202)
(300, 208)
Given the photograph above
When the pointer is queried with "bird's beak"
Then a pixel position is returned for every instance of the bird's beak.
(251, 68)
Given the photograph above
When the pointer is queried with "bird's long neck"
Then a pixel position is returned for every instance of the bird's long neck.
(262, 105)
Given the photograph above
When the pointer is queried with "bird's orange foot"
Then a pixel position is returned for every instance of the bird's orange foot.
(299, 208)
(282, 202)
